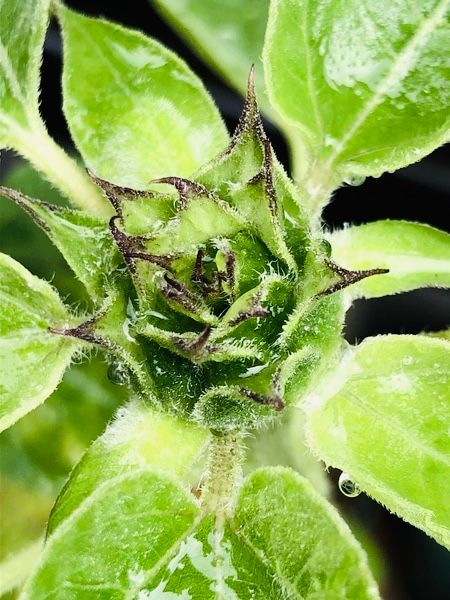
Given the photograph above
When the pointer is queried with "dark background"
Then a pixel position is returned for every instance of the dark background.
(416, 567)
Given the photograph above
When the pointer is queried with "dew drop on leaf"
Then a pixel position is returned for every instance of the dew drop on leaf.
(347, 486)
(355, 180)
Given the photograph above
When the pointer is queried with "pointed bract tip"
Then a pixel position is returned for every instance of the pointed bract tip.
(251, 83)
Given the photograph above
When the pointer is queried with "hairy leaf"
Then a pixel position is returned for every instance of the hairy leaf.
(83, 240)
(283, 540)
(416, 255)
(383, 418)
(229, 34)
(14, 570)
(363, 83)
(22, 31)
(135, 110)
(38, 453)
(32, 359)
(138, 437)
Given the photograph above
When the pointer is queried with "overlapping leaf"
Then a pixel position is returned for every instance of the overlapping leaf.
(363, 83)
(415, 254)
(32, 358)
(383, 418)
(171, 545)
(135, 110)
(228, 34)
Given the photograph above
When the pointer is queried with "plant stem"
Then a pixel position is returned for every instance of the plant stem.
(48, 158)
(223, 473)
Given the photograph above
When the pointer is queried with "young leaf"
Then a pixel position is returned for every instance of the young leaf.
(22, 31)
(172, 546)
(151, 115)
(416, 255)
(300, 538)
(32, 359)
(82, 239)
(363, 83)
(383, 418)
(111, 543)
(226, 33)
(138, 436)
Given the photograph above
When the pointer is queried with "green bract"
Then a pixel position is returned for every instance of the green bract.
(218, 303)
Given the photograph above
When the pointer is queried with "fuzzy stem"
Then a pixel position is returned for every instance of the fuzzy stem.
(35, 144)
(223, 474)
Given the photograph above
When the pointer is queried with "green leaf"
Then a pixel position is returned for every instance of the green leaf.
(227, 34)
(84, 240)
(300, 538)
(37, 454)
(33, 359)
(416, 255)
(383, 418)
(283, 539)
(363, 83)
(138, 438)
(151, 116)
(22, 32)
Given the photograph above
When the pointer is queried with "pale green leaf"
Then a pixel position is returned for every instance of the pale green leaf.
(154, 540)
(139, 436)
(363, 83)
(383, 418)
(36, 456)
(84, 240)
(32, 359)
(135, 110)
(22, 31)
(228, 34)
(300, 538)
(416, 255)
(16, 568)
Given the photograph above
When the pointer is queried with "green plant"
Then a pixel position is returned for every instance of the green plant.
(219, 301)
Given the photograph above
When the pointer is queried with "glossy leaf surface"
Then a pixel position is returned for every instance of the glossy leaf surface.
(383, 419)
(32, 359)
(135, 110)
(416, 255)
(364, 83)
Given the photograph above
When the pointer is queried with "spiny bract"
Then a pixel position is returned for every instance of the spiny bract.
(222, 303)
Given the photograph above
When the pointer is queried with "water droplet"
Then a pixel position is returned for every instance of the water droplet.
(347, 486)
(355, 180)
(326, 247)
(118, 374)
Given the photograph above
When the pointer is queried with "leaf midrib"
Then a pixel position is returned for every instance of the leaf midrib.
(415, 44)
